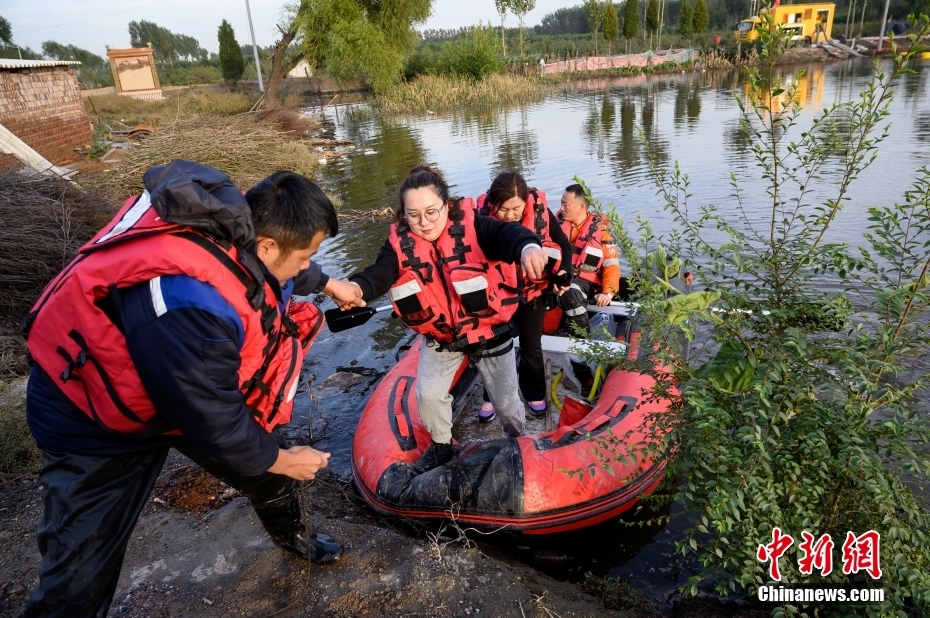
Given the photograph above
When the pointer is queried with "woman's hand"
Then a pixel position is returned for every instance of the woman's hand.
(562, 275)
(534, 261)
(602, 300)
(347, 294)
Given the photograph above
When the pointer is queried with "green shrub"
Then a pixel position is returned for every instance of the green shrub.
(474, 55)
(801, 411)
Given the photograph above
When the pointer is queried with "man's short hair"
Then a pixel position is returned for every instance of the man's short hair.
(578, 191)
(291, 209)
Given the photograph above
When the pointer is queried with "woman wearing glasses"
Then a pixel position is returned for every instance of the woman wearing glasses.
(448, 272)
(509, 199)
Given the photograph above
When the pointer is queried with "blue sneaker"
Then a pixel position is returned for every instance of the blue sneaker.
(486, 413)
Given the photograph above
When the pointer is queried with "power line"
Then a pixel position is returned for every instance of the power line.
(93, 18)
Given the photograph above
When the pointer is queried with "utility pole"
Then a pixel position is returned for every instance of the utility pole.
(881, 32)
(258, 67)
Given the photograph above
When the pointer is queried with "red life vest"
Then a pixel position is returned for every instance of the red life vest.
(447, 289)
(72, 335)
(587, 249)
(535, 218)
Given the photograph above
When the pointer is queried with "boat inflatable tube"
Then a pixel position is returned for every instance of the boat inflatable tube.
(520, 483)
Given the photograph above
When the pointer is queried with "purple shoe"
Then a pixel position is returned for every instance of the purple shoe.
(538, 408)
(486, 414)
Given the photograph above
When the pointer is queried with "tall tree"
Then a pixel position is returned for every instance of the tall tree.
(502, 7)
(6, 32)
(571, 20)
(349, 38)
(232, 64)
(652, 18)
(163, 41)
(686, 19)
(520, 8)
(594, 9)
(94, 70)
(611, 24)
(700, 20)
(631, 20)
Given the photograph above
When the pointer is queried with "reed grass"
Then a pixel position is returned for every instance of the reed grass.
(43, 222)
(715, 60)
(116, 112)
(246, 151)
(435, 93)
(18, 451)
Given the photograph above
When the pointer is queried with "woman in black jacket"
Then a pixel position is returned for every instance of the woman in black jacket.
(509, 199)
(449, 274)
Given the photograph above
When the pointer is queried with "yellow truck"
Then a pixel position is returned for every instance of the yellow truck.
(806, 23)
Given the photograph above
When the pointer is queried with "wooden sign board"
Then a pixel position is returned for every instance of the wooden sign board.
(134, 72)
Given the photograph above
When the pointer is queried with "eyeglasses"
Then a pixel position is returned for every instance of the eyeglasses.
(431, 215)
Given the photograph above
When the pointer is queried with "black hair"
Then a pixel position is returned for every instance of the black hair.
(578, 192)
(291, 209)
(419, 177)
(507, 185)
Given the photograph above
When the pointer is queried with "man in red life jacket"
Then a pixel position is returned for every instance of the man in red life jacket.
(595, 260)
(174, 326)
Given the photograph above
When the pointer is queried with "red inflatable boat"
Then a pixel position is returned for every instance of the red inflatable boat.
(518, 483)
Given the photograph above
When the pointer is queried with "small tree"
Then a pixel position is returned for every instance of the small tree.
(686, 20)
(611, 24)
(700, 19)
(520, 8)
(652, 18)
(595, 13)
(231, 61)
(502, 7)
(631, 20)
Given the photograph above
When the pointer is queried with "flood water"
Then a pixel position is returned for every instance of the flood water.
(586, 129)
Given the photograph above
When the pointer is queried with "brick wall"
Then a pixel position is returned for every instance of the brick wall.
(43, 107)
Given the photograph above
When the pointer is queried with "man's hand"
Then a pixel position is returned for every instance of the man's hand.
(602, 300)
(299, 462)
(534, 260)
(346, 293)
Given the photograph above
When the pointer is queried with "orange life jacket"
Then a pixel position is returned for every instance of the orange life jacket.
(535, 218)
(587, 248)
(447, 289)
(73, 337)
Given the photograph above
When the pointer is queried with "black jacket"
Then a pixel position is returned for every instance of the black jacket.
(498, 240)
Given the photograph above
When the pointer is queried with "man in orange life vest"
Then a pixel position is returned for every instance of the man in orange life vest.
(174, 326)
(595, 261)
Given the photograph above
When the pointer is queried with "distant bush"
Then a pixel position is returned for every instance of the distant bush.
(191, 75)
(474, 55)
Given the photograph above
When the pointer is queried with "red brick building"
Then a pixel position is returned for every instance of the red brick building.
(40, 103)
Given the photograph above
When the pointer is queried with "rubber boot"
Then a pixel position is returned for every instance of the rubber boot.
(281, 517)
(435, 456)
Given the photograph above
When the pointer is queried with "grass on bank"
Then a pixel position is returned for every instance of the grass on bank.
(118, 112)
(240, 147)
(18, 451)
(434, 93)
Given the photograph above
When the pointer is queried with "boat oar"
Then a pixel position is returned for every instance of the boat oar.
(339, 320)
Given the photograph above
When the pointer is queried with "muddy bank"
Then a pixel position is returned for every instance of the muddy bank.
(221, 562)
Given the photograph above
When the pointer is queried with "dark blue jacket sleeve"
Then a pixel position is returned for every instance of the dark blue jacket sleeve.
(310, 280)
(184, 340)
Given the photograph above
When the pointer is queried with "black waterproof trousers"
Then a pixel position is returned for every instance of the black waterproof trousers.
(532, 373)
(92, 505)
(574, 303)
